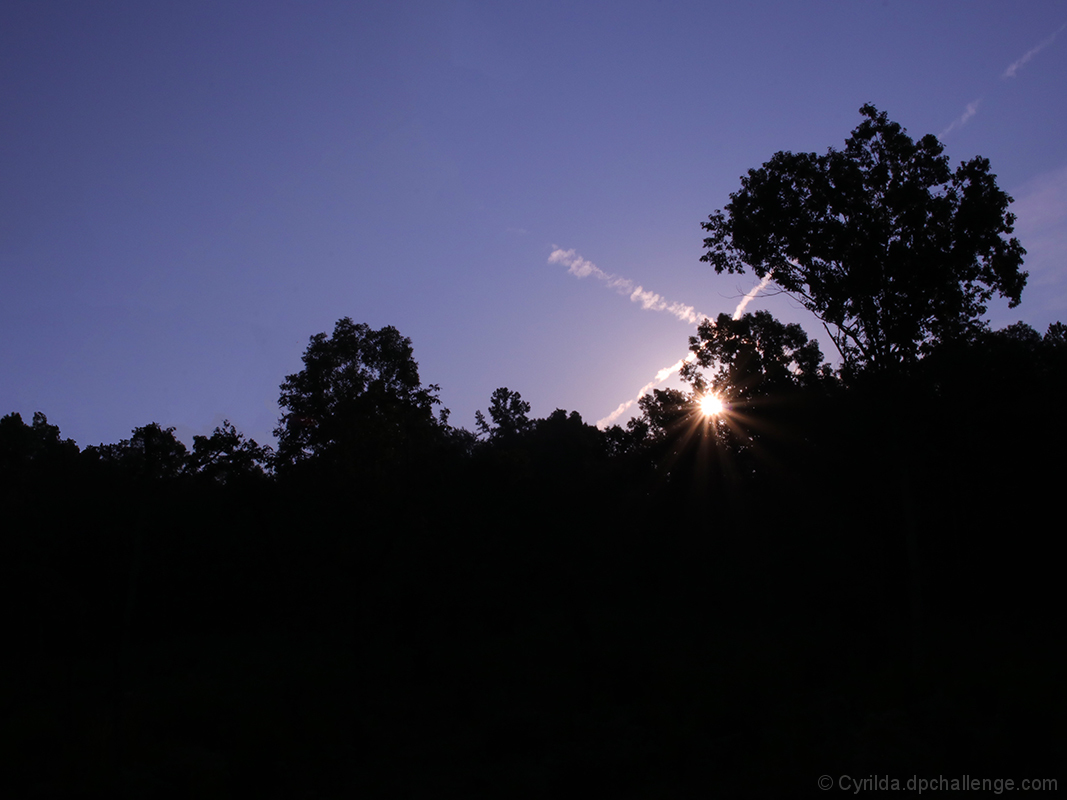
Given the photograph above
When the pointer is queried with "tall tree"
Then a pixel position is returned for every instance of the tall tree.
(509, 413)
(30, 449)
(358, 400)
(151, 453)
(889, 248)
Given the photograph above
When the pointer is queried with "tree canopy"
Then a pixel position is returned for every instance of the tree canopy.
(358, 398)
(227, 455)
(152, 453)
(892, 250)
(754, 355)
(32, 448)
(509, 413)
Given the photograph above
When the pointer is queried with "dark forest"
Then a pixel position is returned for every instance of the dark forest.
(848, 568)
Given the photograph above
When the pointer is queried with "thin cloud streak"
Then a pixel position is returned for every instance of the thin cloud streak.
(582, 268)
(1041, 210)
(970, 111)
(1011, 71)
(661, 376)
(752, 295)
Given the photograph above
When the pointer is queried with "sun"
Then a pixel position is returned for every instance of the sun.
(711, 406)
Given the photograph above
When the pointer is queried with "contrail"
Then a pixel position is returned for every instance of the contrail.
(753, 293)
(661, 376)
(1017, 65)
(667, 372)
(970, 111)
(1010, 72)
(581, 268)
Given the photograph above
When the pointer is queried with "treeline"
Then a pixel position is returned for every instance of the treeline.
(789, 571)
(662, 604)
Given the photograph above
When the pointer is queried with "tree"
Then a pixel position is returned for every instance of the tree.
(755, 355)
(227, 455)
(889, 248)
(621, 442)
(33, 449)
(508, 411)
(666, 411)
(358, 401)
(151, 453)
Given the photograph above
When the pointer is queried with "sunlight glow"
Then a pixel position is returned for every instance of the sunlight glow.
(710, 405)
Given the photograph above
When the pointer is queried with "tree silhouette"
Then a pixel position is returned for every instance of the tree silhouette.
(151, 453)
(357, 403)
(508, 411)
(35, 448)
(665, 410)
(755, 355)
(887, 246)
(227, 455)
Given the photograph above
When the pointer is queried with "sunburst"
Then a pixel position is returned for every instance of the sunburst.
(711, 405)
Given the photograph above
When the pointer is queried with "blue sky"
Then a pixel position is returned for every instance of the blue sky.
(191, 190)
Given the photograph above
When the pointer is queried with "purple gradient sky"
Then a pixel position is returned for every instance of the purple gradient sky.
(190, 190)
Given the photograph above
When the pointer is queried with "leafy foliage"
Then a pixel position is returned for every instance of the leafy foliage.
(887, 246)
(37, 447)
(508, 412)
(665, 411)
(151, 453)
(358, 400)
(754, 355)
(227, 455)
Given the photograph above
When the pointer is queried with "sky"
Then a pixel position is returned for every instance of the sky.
(190, 190)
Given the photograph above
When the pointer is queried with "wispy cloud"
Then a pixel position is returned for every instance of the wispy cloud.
(582, 268)
(1041, 210)
(1011, 71)
(752, 295)
(654, 302)
(970, 111)
(661, 376)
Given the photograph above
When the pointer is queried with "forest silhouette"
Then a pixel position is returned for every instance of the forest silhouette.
(849, 570)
